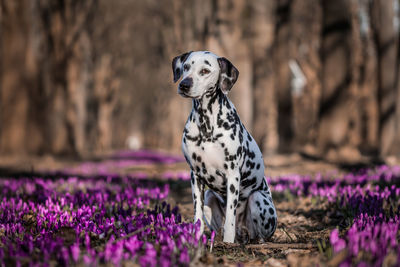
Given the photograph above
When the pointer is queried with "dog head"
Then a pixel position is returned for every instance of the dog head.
(203, 72)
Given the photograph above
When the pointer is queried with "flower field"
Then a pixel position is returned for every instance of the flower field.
(75, 217)
(368, 201)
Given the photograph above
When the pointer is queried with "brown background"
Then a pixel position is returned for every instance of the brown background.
(82, 77)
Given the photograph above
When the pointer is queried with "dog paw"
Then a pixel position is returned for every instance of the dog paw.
(229, 239)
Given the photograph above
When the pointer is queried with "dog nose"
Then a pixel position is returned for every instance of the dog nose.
(186, 84)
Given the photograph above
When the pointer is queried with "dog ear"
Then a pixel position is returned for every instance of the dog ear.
(177, 63)
(228, 75)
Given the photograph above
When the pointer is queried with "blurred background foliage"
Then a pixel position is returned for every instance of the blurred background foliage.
(319, 77)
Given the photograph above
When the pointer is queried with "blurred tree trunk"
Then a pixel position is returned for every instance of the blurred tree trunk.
(15, 76)
(261, 32)
(65, 28)
(105, 91)
(337, 111)
(280, 60)
(395, 148)
(46, 75)
(386, 38)
(304, 47)
(396, 144)
(367, 78)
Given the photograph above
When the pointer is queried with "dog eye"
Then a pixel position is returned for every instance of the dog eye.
(204, 71)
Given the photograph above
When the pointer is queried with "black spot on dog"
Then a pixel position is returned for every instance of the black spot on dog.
(263, 193)
(250, 164)
(197, 169)
(258, 203)
(248, 182)
(232, 165)
(225, 166)
(246, 174)
(208, 63)
(232, 137)
(235, 202)
(271, 211)
(211, 179)
(266, 203)
(258, 166)
(194, 156)
(251, 154)
(272, 222)
(198, 158)
(232, 188)
(186, 67)
(226, 126)
(218, 135)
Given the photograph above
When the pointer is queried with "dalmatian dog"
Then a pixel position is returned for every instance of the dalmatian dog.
(221, 154)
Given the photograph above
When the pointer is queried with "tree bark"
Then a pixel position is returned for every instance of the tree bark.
(261, 40)
(304, 47)
(336, 99)
(386, 39)
(14, 79)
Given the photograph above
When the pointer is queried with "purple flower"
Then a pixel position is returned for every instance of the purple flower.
(75, 251)
(184, 257)
(337, 243)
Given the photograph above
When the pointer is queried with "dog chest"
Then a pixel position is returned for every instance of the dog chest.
(207, 161)
(208, 154)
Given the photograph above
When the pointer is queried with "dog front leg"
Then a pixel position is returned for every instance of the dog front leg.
(233, 182)
(198, 199)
